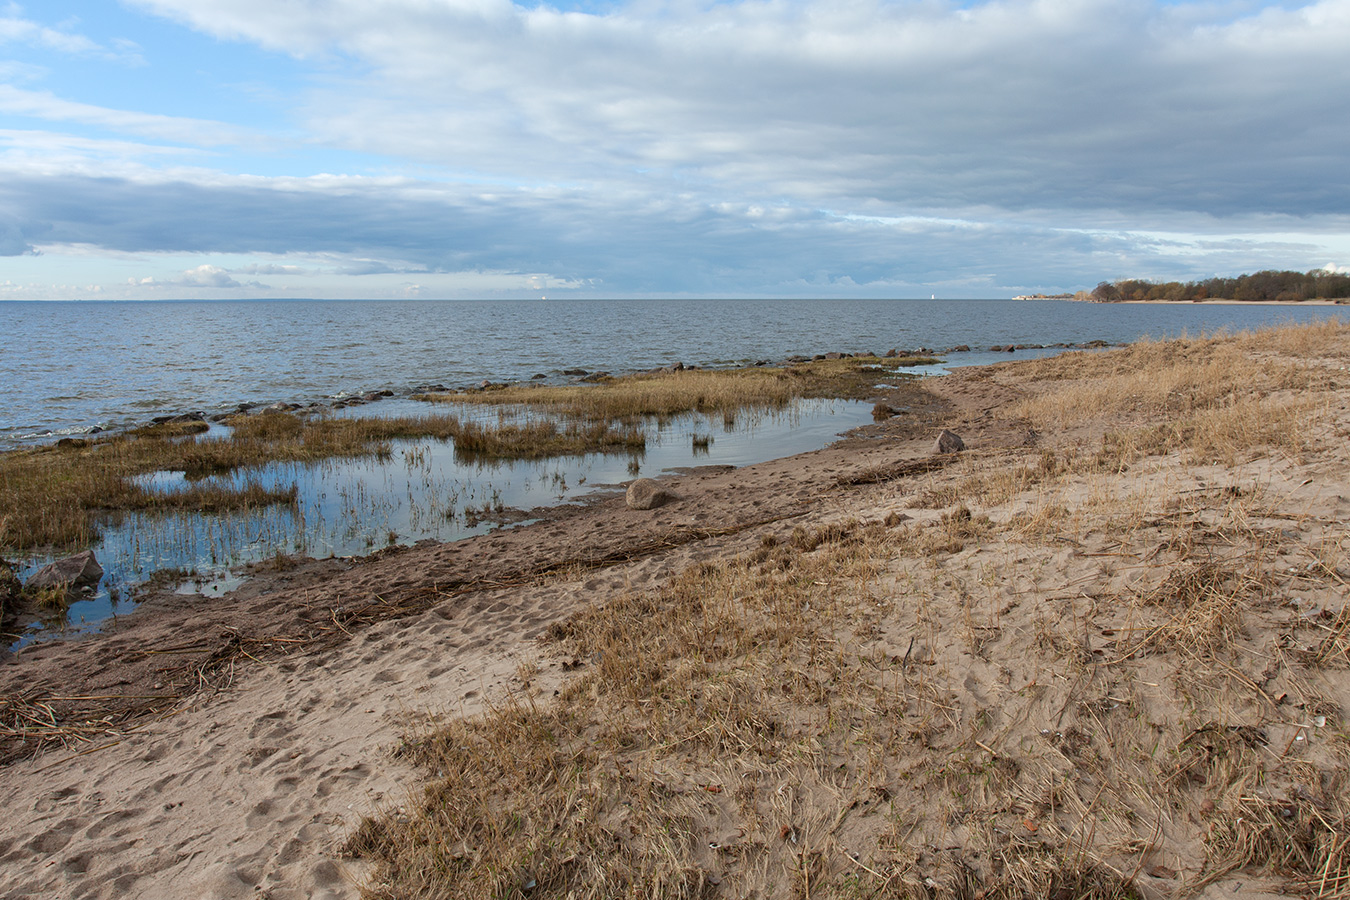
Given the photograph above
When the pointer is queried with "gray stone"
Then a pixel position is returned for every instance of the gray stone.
(948, 442)
(73, 571)
(647, 493)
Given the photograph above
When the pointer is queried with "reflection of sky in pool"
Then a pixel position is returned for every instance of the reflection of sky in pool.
(420, 491)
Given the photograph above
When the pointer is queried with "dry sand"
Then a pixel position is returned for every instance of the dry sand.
(280, 704)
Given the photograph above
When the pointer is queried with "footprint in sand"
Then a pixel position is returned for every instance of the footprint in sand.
(112, 820)
(56, 838)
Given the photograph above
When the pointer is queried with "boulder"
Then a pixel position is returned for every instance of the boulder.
(73, 571)
(948, 442)
(647, 493)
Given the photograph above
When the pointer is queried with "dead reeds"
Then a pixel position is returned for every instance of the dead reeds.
(54, 496)
(664, 395)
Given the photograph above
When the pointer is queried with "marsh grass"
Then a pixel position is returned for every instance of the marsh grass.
(665, 395)
(541, 439)
(55, 496)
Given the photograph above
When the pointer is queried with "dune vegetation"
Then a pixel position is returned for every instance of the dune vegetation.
(1109, 662)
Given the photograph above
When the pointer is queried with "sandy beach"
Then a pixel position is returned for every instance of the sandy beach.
(1104, 650)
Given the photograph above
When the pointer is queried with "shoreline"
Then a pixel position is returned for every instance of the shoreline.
(1211, 302)
(258, 775)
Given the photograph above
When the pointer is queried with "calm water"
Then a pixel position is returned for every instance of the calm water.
(67, 367)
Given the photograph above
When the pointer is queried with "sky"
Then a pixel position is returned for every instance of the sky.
(216, 149)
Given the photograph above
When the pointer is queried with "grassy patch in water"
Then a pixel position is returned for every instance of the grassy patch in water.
(54, 496)
(672, 393)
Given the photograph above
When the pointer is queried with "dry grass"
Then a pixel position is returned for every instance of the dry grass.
(1090, 688)
(709, 391)
(1183, 381)
(730, 721)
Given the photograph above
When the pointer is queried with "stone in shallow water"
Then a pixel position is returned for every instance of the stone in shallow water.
(73, 571)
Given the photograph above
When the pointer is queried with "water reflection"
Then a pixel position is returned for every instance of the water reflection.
(421, 489)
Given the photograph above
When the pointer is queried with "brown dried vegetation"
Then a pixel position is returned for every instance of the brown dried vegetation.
(1100, 668)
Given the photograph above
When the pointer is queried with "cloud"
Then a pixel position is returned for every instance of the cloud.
(12, 240)
(203, 276)
(591, 241)
(47, 106)
(14, 29)
(677, 146)
(208, 276)
(1085, 106)
(273, 269)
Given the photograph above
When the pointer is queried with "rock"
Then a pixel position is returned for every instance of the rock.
(181, 417)
(948, 442)
(960, 348)
(648, 493)
(575, 372)
(73, 571)
(596, 377)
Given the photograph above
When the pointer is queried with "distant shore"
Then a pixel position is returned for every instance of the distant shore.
(1217, 302)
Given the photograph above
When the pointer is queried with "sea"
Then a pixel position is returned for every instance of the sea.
(76, 368)
(73, 367)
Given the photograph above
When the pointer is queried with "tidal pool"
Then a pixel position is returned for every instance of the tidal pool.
(421, 489)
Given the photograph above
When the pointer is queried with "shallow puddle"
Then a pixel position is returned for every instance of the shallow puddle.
(423, 489)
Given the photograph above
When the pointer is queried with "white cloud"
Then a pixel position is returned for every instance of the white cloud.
(14, 29)
(47, 106)
(748, 146)
(1083, 105)
(208, 276)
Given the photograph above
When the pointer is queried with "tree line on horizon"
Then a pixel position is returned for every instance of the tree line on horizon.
(1319, 284)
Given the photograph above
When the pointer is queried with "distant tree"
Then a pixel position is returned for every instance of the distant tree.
(1106, 292)
(1267, 284)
